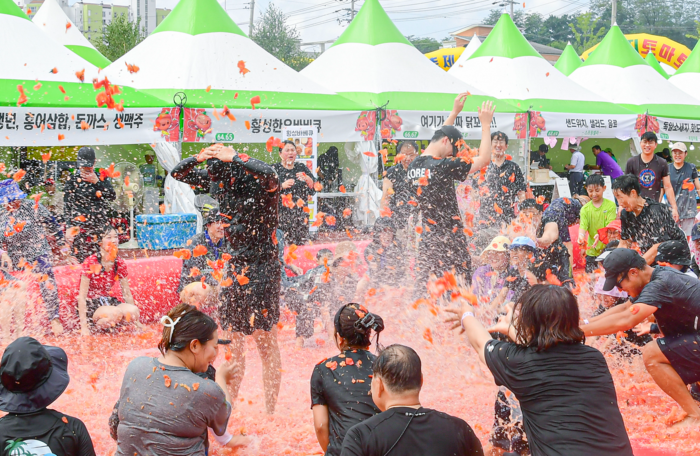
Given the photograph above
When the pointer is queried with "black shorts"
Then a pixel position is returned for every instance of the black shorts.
(255, 305)
(683, 352)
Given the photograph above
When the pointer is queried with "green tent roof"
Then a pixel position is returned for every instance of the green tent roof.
(505, 40)
(9, 7)
(651, 60)
(372, 26)
(198, 16)
(568, 61)
(614, 50)
(692, 63)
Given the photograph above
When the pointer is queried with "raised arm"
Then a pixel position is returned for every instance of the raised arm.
(221, 158)
(484, 158)
(186, 172)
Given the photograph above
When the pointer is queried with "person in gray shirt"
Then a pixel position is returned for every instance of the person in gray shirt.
(164, 407)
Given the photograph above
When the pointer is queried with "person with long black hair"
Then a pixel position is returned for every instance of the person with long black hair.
(565, 389)
(340, 385)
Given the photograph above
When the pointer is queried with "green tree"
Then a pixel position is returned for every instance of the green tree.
(424, 44)
(495, 15)
(695, 37)
(119, 37)
(584, 32)
(272, 33)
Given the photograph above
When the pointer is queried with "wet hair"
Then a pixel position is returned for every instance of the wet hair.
(399, 368)
(323, 252)
(612, 245)
(596, 147)
(543, 148)
(649, 136)
(595, 179)
(626, 183)
(193, 325)
(284, 143)
(438, 135)
(530, 203)
(500, 136)
(548, 316)
(407, 143)
(355, 324)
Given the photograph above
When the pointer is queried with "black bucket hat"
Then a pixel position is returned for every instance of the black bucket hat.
(32, 376)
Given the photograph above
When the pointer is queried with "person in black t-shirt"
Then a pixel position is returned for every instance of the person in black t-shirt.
(396, 191)
(340, 385)
(504, 185)
(296, 184)
(643, 220)
(565, 389)
(652, 172)
(33, 377)
(404, 427)
(443, 245)
(673, 298)
(387, 265)
(553, 261)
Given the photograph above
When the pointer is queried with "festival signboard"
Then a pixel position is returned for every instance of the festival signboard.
(20, 126)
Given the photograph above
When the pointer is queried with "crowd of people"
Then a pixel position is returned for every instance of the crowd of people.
(502, 273)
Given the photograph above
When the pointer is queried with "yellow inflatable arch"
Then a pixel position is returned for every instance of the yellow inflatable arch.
(665, 50)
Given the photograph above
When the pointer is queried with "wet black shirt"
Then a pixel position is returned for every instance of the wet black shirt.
(430, 433)
(503, 184)
(652, 226)
(44, 432)
(214, 252)
(567, 397)
(650, 175)
(249, 196)
(81, 198)
(677, 297)
(437, 200)
(294, 222)
(398, 202)
(342, 383)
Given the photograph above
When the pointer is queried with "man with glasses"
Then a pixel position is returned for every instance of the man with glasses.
(652, 172)
(505, 185)
(443, 244)
(684, 179)
(673, 298)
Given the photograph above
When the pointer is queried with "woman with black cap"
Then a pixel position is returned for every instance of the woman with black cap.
(340, 385)
(296, 184)
(33, 376)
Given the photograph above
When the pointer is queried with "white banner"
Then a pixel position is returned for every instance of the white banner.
(561, 125)
(257, 126)
(307, 153)
(422, 124)
(21, 126)
(675, 129)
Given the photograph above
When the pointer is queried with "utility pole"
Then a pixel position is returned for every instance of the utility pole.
(252, 14)
(613, 19)
(352, 10)
(505, 2)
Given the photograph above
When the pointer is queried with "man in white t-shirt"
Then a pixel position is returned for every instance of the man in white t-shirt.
(576, 170)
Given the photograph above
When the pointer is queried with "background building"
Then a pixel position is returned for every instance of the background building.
(91, 17)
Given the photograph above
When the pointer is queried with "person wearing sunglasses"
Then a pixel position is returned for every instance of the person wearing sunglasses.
(443, 245)
(340, 385)
(673, 298)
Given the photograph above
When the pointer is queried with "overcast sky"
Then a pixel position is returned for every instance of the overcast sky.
(317, 20)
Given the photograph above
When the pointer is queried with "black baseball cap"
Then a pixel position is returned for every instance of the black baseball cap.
(86, 157)
(619, 261)
(695, 233)
(543, 148)
(674, 252)
(451, 132)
